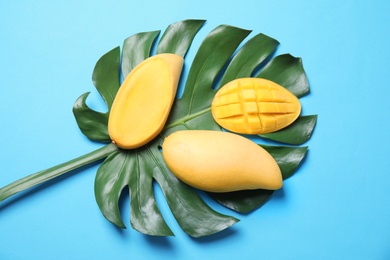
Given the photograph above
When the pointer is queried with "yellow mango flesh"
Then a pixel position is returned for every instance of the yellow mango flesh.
(254, 106)
(220, 161)
(143, 102)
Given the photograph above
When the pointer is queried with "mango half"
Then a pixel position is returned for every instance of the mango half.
(143, 102)
(220, 161)
(254, 106)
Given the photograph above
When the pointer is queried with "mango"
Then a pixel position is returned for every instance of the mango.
(254, 106)
(218, 161)
(144, 100)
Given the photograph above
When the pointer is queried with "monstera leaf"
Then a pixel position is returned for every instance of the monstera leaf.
(218, 60)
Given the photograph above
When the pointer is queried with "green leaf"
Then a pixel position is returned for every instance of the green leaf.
(91, 123)
(129, 169)
(297, 133)
(288, 72)
(288, 159)
(136, 48)
(192, 111)
(178, 37)
(249, 57)
(105, 75)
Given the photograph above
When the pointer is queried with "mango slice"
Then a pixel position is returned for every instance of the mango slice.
(254, 106)
(220, 161)
(143, 102)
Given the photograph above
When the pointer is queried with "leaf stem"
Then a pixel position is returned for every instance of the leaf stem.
(56, 171)
(187, 118)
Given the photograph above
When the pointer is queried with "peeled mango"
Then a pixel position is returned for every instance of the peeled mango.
(218, 161)
(254, 106)
(143, 102)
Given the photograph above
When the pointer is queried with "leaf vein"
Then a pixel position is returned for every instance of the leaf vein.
(196, 85)
(186, 118)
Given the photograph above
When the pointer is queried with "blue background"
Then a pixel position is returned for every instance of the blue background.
(335, 207)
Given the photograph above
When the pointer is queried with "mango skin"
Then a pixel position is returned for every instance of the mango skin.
(217, 161)
(144, 100)
(254, 106)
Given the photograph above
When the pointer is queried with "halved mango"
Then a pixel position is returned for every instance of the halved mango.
(218, 161)
(254, 106)
(143, 102)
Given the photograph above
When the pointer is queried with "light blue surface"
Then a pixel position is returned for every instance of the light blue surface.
(335, 207)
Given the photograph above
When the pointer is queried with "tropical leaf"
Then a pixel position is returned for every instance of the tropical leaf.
(129, 168)
(216, 56)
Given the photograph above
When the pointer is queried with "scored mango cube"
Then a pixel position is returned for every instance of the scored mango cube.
(250, 107)
(249, 94)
